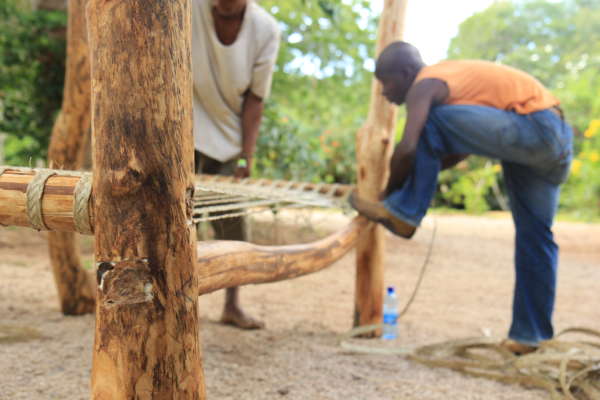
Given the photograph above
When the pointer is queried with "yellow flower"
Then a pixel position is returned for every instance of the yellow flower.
(576, 167)
(497, 168)
(594, 156)
(591, 131)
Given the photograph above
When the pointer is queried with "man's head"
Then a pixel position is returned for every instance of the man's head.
(396, 69)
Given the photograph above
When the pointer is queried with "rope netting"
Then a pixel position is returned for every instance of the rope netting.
(219, 197)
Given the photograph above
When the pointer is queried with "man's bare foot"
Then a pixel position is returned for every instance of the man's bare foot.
(236, 317)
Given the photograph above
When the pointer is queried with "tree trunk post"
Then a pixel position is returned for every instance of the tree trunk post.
(374, 144)
(70, 135)
(146, 341)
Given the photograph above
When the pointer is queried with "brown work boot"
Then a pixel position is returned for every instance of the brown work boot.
(376, 212)
(517, 348)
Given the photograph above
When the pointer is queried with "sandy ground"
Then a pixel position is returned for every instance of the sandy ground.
(467, 290)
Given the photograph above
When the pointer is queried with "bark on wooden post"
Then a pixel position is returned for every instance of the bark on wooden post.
(146, 343)
(374, 144)
(70, 135)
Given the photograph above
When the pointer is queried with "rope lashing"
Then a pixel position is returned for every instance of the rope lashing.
(81, 209)
(35, 191)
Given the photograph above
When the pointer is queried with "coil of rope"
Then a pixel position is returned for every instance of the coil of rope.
(567, 370)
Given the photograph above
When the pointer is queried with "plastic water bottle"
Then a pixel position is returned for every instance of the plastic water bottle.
(390, 315)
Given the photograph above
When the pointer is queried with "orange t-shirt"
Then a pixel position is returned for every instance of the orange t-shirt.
(489, 84)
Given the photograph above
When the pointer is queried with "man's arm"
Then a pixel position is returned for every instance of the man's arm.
(420, 98)
(252, 110)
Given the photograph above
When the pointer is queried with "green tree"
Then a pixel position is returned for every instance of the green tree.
(321, 89)
(32, 59)
(558, 43)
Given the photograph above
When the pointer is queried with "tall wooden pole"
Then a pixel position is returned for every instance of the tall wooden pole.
(146, 343)
(374, 143)
(70, 135)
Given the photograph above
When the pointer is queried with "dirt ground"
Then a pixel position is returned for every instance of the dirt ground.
(466, 291)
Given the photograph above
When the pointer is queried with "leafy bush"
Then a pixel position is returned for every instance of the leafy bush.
(288, 149)
(559, 43)
(471, 188)
(32, 62)
(581, 193)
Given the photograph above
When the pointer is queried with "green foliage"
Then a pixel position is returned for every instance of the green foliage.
(581, 193)
(557, 42)
(467, 187)
(320, 88)
(290, 150)
(32, 57)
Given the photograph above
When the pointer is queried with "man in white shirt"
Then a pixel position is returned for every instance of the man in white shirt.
(234, 49)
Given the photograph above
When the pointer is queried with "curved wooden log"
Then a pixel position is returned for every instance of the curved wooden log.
(223, 264)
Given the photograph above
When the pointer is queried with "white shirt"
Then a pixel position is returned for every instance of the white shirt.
(222, 74)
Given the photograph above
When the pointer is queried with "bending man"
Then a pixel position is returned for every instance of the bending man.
(457, 108)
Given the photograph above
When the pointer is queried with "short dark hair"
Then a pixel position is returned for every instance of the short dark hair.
(397, 58)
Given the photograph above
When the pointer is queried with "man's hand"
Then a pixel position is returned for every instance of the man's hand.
(243, 168)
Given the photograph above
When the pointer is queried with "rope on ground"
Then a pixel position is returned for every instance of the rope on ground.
(361, 330)
(566, 370)
(423, 270)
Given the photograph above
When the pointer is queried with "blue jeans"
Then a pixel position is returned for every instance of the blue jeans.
(536, 152)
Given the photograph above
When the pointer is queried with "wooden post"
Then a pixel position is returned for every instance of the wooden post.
(70, 135)
(146, 342)
(374, 143)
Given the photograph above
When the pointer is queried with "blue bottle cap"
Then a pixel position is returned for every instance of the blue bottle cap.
(390, 290)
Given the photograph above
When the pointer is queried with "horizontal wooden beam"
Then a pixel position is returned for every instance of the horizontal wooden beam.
(223, 264)
(56, 203)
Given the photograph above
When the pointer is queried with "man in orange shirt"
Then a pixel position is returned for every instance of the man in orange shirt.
(457, 108)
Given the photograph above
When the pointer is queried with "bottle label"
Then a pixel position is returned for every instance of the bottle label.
(390, 319)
